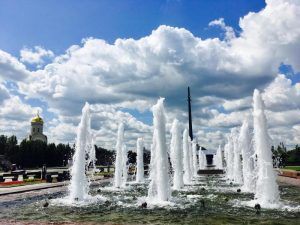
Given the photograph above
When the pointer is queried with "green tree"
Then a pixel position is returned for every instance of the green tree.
(3, 144)
(293, 156)
(279, 155)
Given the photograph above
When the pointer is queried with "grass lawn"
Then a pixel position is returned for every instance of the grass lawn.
(297, 168)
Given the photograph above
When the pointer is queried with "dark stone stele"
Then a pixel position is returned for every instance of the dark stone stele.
(190, 114)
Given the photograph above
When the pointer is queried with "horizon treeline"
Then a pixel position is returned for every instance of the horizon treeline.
(32, 154)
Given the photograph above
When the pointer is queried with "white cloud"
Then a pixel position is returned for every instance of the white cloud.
(14, 109)
(270, 36)
(105, 120)
(229, 119)
(169, 59)
(281, 95)
(60, 132)
(37, 55)
(15, 117)
(229, 32)
(238, 104)
(10, 68)
(4, 94)
(284, 118)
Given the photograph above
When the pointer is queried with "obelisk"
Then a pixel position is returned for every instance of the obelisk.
(190, 114)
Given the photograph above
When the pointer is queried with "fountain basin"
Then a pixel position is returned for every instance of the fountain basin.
(210, 200)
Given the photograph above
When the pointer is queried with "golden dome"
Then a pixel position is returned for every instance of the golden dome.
(37, 119)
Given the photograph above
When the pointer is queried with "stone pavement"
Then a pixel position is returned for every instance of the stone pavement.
(289, 180)
(34, 187)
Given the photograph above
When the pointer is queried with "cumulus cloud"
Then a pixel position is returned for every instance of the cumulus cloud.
(284, 118)
(105, 121)
(229, 119)
(238, 104)
(37, 55)
(15, 117)
(270, 36)
(60, 132)
(229, 32)
(169, 59)
(14, 109)
(281, 95)
(11, 69)
(4, 94)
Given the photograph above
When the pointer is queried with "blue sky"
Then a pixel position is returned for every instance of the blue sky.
(57, 25)
(121, 56)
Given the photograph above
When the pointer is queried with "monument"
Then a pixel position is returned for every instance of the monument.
(190, 114)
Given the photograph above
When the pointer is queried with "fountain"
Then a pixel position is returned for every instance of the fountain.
(237, 164)
(230, 156)
(191, 157)
(79, 185)
(152, 190)
(202, 160)
(245, 141)
(226, 158)
(176, 156)
(206, 200)
(186, 158)
(91, 152)
(195, 160)
(140, 161)
(266, 192)
(124, 165)
(161, 163)
(118, 163)
(219, 158)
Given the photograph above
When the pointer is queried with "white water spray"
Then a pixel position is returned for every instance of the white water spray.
(191, 157)
(187, 176)
(266, 187)
(92, 155)
(118, 162)
(237, 163)
(230, 156)
(202, 160)
(195, 160)
(140, 160)
(161, 163)
(226, 155)
(219, 158)
(152, 190)
(176, 156)
(125, 165)
(79, 185)
(245, 142)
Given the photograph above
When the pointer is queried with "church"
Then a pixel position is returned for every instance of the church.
(36, 132)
